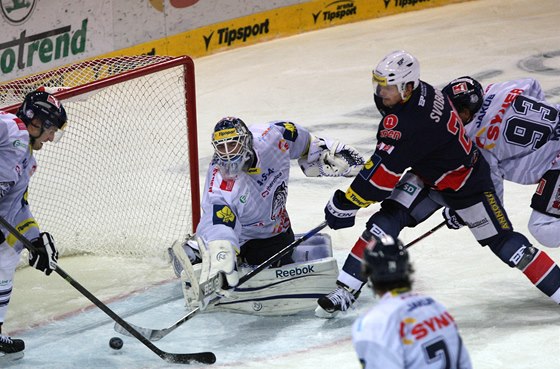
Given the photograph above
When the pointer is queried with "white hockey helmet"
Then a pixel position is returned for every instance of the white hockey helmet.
(397, 68)
(233, 146)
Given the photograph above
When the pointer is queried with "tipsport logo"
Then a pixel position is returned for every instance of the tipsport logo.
(403, 3)
(227, 36)
(336, 11)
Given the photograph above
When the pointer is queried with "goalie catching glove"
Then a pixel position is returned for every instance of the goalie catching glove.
(328, 158)
(45, 256)
(218, 258)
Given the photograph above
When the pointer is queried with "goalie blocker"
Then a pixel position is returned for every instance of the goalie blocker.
(286, 290)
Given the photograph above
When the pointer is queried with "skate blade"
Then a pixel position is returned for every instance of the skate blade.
(322, 313)
(11, 357)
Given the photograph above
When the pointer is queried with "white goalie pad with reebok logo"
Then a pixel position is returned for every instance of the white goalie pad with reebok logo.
(286, 290)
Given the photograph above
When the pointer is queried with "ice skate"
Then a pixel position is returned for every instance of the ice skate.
(11, 348)
(341, 299)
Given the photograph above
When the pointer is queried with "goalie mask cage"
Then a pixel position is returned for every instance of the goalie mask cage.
(123, 180)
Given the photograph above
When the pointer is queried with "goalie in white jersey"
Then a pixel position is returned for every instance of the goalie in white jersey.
(517, 132)
(244, 202)
(404, 330)
(37, 121)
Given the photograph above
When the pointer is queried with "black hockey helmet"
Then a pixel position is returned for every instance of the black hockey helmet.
(386, 260)
(233, 146)
(46, 107)
(465, 92)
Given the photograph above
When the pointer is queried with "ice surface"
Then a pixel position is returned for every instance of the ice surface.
(323, 81)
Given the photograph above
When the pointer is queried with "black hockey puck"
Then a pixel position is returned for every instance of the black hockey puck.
(116, 343)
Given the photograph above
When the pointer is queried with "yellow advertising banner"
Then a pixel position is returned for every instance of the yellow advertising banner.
(282, 22)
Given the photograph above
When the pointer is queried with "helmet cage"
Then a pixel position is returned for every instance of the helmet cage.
(398, 68)
(233, 146)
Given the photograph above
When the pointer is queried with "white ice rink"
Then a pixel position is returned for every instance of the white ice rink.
(323, 80)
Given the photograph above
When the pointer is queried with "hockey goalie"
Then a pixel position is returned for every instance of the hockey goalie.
(245, 222)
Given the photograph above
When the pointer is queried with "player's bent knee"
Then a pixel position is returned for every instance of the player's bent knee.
(390, 219)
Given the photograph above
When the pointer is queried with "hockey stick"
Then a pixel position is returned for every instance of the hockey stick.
(157, 334)
(201, 357)
(424, 235)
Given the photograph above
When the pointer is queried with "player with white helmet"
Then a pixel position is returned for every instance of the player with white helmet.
(423, 161)
(397, 69)
(244, 218)
(38, 120)
(516, 131)
(403, 329)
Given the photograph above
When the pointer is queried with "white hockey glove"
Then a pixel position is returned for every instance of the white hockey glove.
(218, 259)
(46, 256)
(328, 158)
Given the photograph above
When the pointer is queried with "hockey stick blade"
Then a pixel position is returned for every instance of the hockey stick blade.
(202, 357)
(157, 334)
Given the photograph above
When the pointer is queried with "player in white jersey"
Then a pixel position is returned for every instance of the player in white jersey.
(404, 330)
(517, 133)
(37, 121)
(244, 202)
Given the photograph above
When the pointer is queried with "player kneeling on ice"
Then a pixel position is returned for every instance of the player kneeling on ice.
(245, 222)
(404, 329)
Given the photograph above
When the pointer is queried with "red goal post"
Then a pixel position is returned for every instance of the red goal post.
(123, 180)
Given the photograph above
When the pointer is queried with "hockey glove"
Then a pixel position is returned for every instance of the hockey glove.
(327, 158)
(339, 212)
(218, 258)
(46, 254)
(452, 219)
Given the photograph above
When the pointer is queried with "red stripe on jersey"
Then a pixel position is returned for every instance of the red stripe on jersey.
(20, 124)
(454, 179)
(384, 179)
(539, 267)
(227, 184)
(359, 247)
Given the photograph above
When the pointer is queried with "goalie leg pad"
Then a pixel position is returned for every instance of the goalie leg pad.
(316, 247)
(287, 290)
(189, 274)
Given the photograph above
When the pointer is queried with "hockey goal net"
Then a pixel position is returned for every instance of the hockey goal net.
(123, 180)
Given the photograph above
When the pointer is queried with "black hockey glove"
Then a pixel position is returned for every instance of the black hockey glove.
(46, 255)
(339, 212)
(452, 219)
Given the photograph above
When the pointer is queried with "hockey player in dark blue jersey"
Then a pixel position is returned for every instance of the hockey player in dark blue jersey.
(424, 160)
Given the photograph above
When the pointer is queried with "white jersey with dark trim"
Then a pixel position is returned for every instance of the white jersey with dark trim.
(515, 130)
(253, 206)
(408, 330)
(17, 165)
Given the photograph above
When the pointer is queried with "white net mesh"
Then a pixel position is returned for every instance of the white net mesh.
(120, 180)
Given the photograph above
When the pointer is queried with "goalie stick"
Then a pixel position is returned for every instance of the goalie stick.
(201, 357)
(157, 334)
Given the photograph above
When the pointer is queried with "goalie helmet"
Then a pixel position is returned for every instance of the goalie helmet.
(465, 93)
(233, 146)
(397, 68)
(386, 260)
(44, 106)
